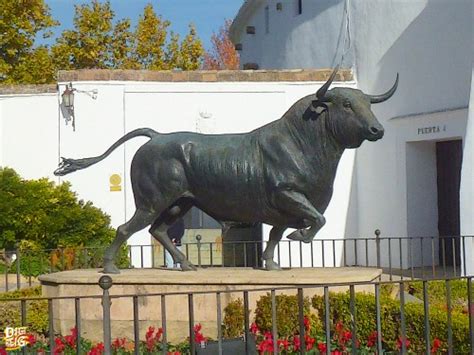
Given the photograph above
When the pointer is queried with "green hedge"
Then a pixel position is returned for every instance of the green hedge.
(437, 293)
(233, 322)
(390, 316)
(36, 311)
(287, 314)
(339, 309)
(438, 320)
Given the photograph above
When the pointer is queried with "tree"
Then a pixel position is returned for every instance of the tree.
(96, 42)
(89, 44)
(223, 54)
(150, 37)
(20, 24)
(191, 51)
(48, 215)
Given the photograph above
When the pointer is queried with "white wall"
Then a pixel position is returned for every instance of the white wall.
(29, 134)
(422, 200)
(467, 182)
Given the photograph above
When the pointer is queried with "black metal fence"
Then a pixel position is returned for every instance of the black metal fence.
(399, 257)
(327, 326)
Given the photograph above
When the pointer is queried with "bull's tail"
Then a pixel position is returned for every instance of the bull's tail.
(67, 166)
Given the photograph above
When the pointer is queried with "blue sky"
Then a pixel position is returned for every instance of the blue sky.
(207, 15)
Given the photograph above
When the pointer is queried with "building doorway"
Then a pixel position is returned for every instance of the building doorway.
(448, 166)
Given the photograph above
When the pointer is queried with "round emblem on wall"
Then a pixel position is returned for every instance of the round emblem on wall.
(115, 182)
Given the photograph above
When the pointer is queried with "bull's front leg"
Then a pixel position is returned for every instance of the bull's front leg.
(296, 204)
(275, 236)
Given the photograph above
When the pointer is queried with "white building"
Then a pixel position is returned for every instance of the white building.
(408, 183)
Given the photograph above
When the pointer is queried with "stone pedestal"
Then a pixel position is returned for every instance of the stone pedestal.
(151, 282)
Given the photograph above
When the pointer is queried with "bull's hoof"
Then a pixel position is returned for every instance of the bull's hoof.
(272, 265)
(110, 268)
(187, 266)
(301, 235)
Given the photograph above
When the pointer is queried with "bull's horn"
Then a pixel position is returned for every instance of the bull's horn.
(375, 99)
(322, 90)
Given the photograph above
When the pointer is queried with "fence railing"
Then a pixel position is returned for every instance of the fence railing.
(399, 257)
(452, 342)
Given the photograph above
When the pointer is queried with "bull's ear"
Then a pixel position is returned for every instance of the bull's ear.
(318, 108)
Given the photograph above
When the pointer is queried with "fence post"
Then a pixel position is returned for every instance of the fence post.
(377, 246)
(105, 282)
(198, 238)
(18, 270)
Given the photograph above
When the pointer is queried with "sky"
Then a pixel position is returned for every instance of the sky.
(206, 15)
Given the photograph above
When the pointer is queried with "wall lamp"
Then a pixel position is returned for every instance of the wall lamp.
(67, 102)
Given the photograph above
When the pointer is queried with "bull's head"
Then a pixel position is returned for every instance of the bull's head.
(350, 118)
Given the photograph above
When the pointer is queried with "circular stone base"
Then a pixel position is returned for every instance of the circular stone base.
(149, 282)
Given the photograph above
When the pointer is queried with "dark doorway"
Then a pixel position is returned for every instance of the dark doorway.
(448, 164)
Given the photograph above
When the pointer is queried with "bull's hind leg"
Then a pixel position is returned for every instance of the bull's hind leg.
(161, 225)
(159, 231)
(140, 220)
(275, 236)
(296, 204)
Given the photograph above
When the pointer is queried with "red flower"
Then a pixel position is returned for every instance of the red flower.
(436, 345)
(31, 340)
(59, 346)
(150, 339)
(346, 336)
(97, 350)
(336, 352)
(158, 334)
(283, 343)
(307, 324)
(173, 353)
(322, 347)
(118, 343)
(399, 343)
(309, 342)
(296, 343)
(198, 337)
(339, 327)
(149, 332)
(254, 328)
(265, 345)
(71, 339)
(372, 339)
(3, 351)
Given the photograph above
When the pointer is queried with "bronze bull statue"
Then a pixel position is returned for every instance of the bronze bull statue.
(281, 174)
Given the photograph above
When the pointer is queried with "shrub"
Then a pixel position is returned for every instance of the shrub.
(438, 321)
(234, 318)
(390, 316)
(437, 293)
(36, 311)
(48, 214)
(339, 308)
(287, 314)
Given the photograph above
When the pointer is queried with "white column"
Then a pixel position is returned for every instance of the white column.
(467, 187)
